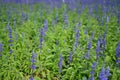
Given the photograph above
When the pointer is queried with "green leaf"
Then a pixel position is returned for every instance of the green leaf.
(37, 78)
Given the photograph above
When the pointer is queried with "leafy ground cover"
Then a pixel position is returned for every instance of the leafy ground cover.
(40, 42)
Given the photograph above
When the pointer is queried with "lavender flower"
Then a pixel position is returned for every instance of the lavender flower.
(93, 68)
(70, 57)
(104, 41)
(10, 37)
(33, 67)
(42, 33)
(89, 45)
(107, 72)
(91, 78)
(94, 65)
(87, 55)
(10, 45)
(117, 61)
(77, 35)
(33, 55)
(31, 78)
(118, 53)
(1, 47)
(45, 25)
(119, 17)
(10, 40)
(60, 63)
(41, 38)
(9, 31)
(102, 74)
(79, 24)
(33, 60)
(93, 71)
(98, 49)
(118, 50)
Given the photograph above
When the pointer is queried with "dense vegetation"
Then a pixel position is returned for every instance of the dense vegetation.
(46, 42)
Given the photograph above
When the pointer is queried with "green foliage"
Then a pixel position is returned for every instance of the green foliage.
(16, 66)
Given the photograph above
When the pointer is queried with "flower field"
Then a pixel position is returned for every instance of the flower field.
(60, 40)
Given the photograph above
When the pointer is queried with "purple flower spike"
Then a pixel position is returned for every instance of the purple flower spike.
(32, 60)
(91, 78)
(117, 61)
(10, 37)
(77, 35)
(33, 67)
(118, 54)
(98, 47)
(10, 44)
(89, 45)
(33, 55)
(70, 57)
(119, 17)
(93, 71)
(102, 74)
(94, 65)
(118, 50)
(107, 72)
(1, 47)
(41, 40)
(45, 25)
(31, 78)
(87, 55)
(9, 31)
(10, 40)
(60, 63)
